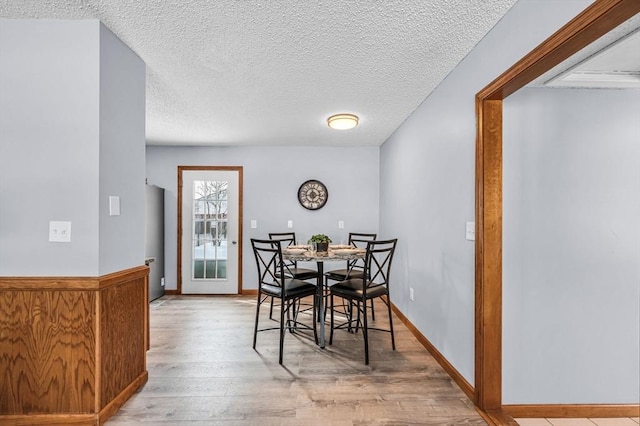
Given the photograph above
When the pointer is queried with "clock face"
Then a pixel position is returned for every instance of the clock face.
(313, 194)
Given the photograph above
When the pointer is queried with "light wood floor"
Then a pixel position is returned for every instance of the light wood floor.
(203, 371)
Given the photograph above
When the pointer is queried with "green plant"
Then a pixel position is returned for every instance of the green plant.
(319, 238)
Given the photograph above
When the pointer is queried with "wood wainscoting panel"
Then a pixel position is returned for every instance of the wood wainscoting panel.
(47, 352)
(72, 349)
(122, 342)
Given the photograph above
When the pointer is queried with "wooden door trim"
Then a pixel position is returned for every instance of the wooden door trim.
(595, 21)
(239, 169)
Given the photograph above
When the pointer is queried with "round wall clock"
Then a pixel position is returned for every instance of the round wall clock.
(313, 194)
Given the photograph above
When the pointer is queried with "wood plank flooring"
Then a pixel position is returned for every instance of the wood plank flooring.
(203, 371)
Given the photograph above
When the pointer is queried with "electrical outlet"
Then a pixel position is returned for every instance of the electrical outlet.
(341, 224)
(411, 293)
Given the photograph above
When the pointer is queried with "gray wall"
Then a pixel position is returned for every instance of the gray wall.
(122, 154)
(49, 124)
(51, 165)
(428, 179)
(571, 286)
(272, 176)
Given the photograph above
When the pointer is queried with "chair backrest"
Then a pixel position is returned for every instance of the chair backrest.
(268, 254)
(359, 240)
(287, 238)
(377, 263)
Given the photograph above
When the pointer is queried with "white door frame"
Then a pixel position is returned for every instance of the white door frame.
(240, 204)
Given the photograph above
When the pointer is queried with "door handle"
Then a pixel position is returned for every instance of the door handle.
(234, 242)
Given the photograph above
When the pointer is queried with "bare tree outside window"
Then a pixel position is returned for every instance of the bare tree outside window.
(210, 228)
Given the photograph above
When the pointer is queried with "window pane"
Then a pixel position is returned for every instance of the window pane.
(210, 229)
(222, 268)
(198, 269)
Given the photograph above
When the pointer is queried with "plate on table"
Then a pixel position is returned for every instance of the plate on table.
(345, 251)
(290, 250)
(341, 246)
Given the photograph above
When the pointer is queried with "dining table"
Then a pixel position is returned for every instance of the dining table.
(335, 253)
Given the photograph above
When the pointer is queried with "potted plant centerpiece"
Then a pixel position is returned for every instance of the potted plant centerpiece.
(321, 241)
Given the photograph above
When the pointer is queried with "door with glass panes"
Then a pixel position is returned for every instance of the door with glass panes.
(210, 206)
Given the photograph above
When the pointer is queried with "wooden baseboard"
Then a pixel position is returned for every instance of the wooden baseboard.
(114, 405)
(78, 419)
(572, 410)
(49, 420)
(450, 369)
(509, 412)
(497, 418)
(250, 292)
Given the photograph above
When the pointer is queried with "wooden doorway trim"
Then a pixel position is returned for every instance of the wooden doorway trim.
(240, 204)
(595, 21)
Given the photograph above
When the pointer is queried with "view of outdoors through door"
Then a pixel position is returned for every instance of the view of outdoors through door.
(209, 242)
(209, 237)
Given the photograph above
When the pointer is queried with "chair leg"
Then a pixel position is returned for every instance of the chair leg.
(393, 340)
(373, 310)
(255, 329)
(315, 327)
(291, 324)
(347, 308)
(331, 323)
(365, 332)
(282, 309)
(325, 294)
(271, 309)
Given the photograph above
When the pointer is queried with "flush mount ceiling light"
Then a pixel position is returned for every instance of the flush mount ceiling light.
(342, 121)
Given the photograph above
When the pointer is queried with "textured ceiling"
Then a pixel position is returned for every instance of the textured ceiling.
(235, 72)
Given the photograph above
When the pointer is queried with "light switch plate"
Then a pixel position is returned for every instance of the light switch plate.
(59, 232)
(471, 231)
(289, 224)
(341, 224)
(114, 205)
(254, 224)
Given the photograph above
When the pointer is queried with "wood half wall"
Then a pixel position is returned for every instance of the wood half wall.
(72, 349)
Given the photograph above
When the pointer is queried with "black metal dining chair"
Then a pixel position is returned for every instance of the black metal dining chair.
(372, 285)
(354, 268)
(274, 284)
(291, 268)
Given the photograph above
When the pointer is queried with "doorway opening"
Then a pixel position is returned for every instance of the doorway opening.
(209, 230)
